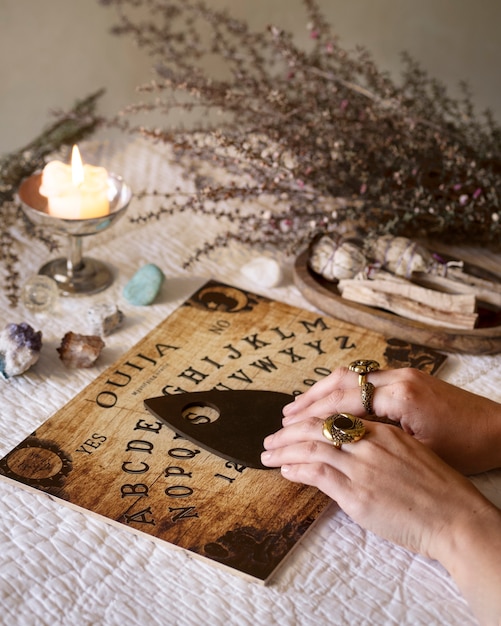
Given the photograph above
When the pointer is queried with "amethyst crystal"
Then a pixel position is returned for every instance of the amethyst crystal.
(20, 347)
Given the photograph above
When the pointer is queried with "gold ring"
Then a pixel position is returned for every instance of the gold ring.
(362, 367)
(367, 393)
(343, 428)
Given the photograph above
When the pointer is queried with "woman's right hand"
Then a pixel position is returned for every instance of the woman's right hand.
(395, 486)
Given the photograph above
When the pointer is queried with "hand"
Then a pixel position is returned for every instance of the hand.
(395, 486)
(464, 429)
(388, 482)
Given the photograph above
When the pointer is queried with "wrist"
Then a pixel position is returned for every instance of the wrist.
(471, 553)
(494, 438)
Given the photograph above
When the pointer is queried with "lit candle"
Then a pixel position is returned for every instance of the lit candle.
(76, 191)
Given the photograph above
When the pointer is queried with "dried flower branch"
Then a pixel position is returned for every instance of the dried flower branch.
(322, 133)
(319, 138)
(69, 127)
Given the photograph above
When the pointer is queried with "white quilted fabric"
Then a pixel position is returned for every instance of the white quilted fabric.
(60, 566)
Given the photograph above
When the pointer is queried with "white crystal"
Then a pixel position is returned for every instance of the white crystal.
(263, 271)
(104, 318)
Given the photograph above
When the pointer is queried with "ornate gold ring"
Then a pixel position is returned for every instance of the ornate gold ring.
(343, 428)
(367, 393)
(362, 367)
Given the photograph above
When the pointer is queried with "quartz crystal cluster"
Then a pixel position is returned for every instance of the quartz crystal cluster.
(104, 318)
(78, 350)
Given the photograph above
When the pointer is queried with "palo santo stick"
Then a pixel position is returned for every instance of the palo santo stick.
(469, 279)
(484, 290)
(447, 302)
(358, 292)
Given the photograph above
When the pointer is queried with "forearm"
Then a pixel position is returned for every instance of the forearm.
(493, 448)
(472, 555)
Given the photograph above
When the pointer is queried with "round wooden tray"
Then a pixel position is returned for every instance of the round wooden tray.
(323, 294)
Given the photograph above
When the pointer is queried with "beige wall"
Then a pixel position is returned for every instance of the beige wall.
(54, 51)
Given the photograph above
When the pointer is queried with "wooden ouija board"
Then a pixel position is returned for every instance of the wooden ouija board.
(105, 453)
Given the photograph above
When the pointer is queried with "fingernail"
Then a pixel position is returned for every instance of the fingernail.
(290, 408)
(285, 469)
(265, 456)
(267, 441)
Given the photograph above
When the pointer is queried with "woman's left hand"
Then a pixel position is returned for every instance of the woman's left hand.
(464, 429)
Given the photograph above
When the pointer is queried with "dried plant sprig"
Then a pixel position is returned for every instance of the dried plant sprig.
(69, 127)
(326, 134)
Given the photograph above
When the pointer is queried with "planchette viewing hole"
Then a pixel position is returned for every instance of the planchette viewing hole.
(200, 413)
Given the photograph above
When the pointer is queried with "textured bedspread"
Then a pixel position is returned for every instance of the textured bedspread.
(62, 566)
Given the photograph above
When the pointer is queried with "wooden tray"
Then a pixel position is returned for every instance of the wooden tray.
(324, 294)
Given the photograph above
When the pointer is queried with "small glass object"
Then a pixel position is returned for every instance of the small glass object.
(40, 293)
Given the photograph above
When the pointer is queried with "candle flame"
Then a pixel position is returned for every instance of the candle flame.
(77, 170)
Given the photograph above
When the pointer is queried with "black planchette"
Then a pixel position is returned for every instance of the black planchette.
(244, 418)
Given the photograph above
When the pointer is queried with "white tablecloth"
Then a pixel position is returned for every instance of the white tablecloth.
(61, 566)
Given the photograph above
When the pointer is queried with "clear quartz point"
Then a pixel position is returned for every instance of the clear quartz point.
(40, 293)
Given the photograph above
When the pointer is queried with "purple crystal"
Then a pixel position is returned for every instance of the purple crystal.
(20, 348)
(25, 336)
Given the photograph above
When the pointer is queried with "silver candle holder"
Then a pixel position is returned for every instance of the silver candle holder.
(75, 274)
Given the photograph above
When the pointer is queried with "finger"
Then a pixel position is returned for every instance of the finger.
(304, 442)
(297, 453)
(330, 392)
(346, 401)
(314, 462)
(395, 397)
(341, 378)
(337, 401)
(305, 430)
(324, 477)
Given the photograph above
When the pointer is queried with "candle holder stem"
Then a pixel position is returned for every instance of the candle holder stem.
(76, 274)
(75, 257)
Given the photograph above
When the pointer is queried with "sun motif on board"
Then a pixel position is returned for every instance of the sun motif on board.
(38, 463)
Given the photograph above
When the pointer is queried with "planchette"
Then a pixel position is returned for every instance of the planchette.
(231, 424)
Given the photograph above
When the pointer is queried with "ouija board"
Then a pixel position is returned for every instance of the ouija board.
(105, 453)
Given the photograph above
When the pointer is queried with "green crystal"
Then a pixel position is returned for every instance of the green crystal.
(143, 287)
